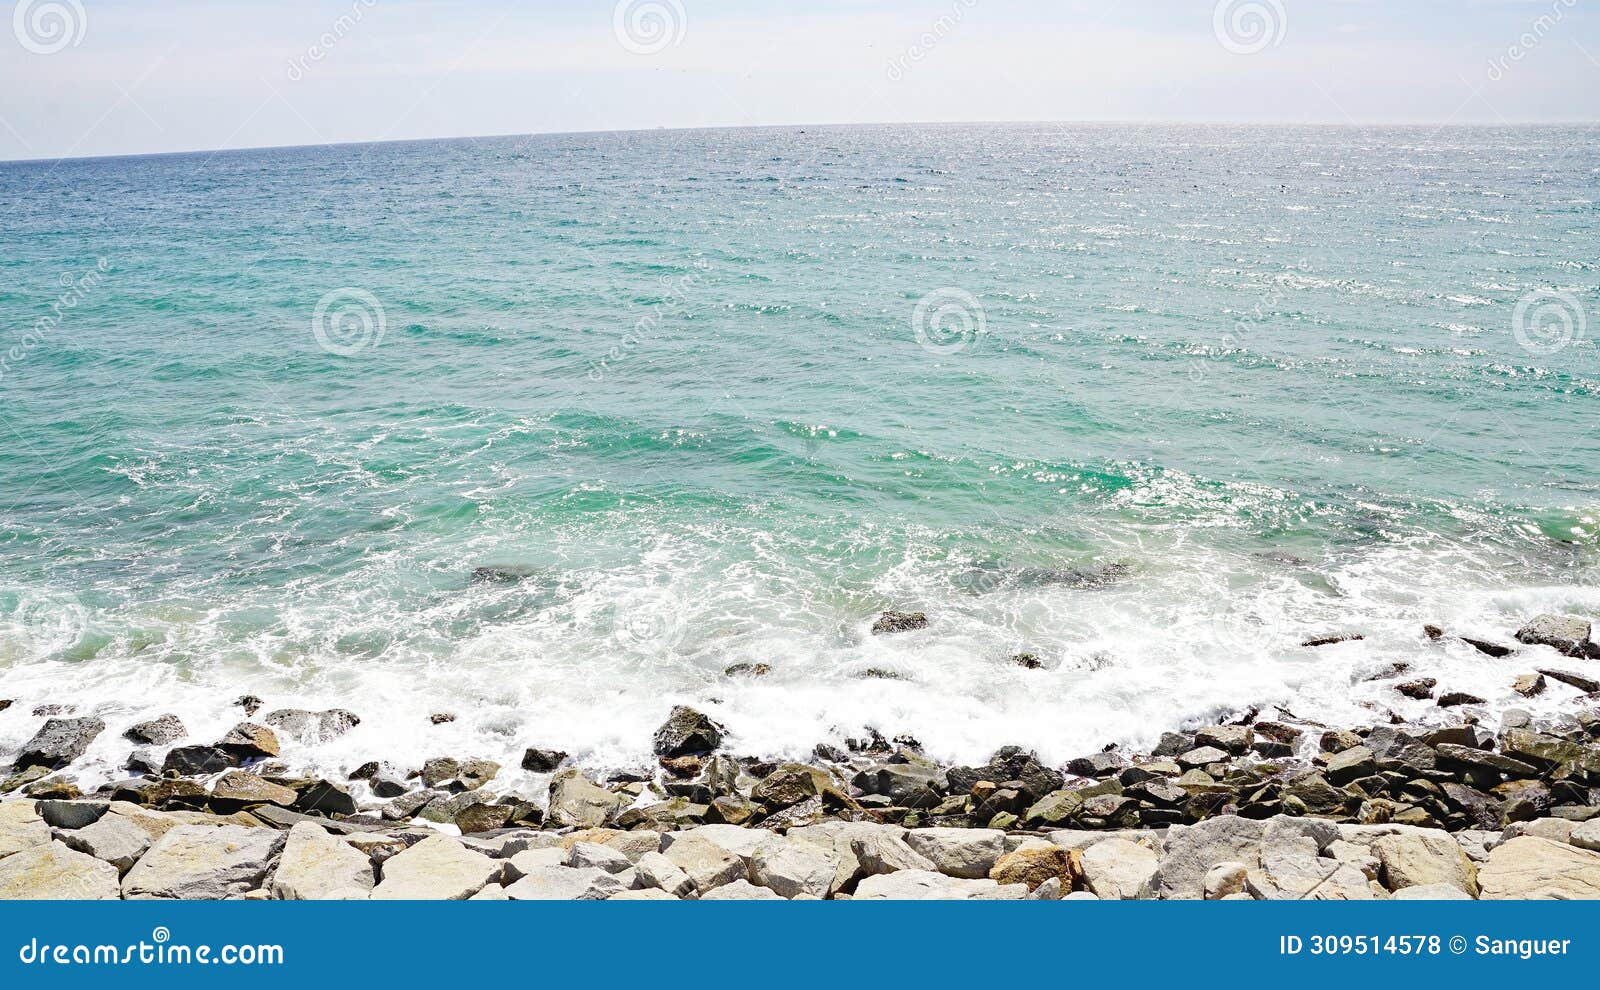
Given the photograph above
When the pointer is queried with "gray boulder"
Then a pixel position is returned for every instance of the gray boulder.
(565, 883)
(436, 869)
(59, 742)
(1191, 850)
(113, 839)
(687, 732)
(54, 872)
(579, 801)
(968, 853)
(1567, 634)
(163, 730)
(1120, 870)
(791, 867)
(316, 866)
(204, 863)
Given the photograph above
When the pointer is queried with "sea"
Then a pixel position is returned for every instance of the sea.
(545, 433)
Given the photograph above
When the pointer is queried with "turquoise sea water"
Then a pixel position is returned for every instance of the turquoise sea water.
(1153, 403)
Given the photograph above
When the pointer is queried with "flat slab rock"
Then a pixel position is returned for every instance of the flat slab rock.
(204, 863)
(53, 872)
(925, 885)
(1530, 868)
(436, 869)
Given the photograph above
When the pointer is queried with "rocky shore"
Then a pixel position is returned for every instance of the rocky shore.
(1263, 806)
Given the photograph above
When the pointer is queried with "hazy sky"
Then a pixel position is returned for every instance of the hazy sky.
(95, 77)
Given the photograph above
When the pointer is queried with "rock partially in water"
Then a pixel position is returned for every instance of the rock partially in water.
(59, 742)
(502, 573)
(249, 741)
(196, 761)
(312, 727)
(1487, 648)
(161, 731)
(542, 760)
(687, 732)
(894, 621)
(748, 670)
(1567, 634)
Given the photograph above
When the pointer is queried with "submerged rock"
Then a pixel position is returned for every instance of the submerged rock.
(895, 622)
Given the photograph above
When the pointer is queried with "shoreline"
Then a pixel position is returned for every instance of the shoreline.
(1266, 806)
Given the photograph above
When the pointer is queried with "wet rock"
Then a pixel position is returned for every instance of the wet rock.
(325, 797)
(71, 814)
(438, 868)
(316, 866)
(162, 731)
(1484, 760)
(1420, 689)
(1432, 631)
(576, 800)
(894, 622)
(1235, 739)
(113, 839)
(502, 573)
(53, 872)
(450, 774)
(198, 761)
(1567, 634)
(747, 670)
(1538, 869)
(1338, 740)
(1487, 648)
(248, 741)
(444, 718)
(1009, 763)
(59, 742)
(1587, 685)
(792, 783)
(1120, 870)
(1454, 699)
(687, 732)
(907, 784)
(542, 760)
(1529, 685)
(312, 727)
(1332, 639)
(250, 703)
(203, 862)
(1027, 661)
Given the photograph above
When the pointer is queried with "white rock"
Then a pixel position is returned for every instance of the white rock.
(740, 890)
(793, 868)
(1432, 892)
(155, 823)
(968, 853)
(113, 839)
(1050, 890)
(878, 853)
(53, 872)
(1077, 840)
(1119, 870)
(1554, 829)
(438, 868)
(1423, 859)
(316, 866)
(203, 863)
(493, 892)
(1081, 895)
(630, 844)
(742, 842)
(1538, 869)
(927, 885)
(525, 862)
(656, 870)
(709, 865)
(1225, 879)
(20, 827)
(1587, 835)
(647, 894)
(591, 855)
(564, 883)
